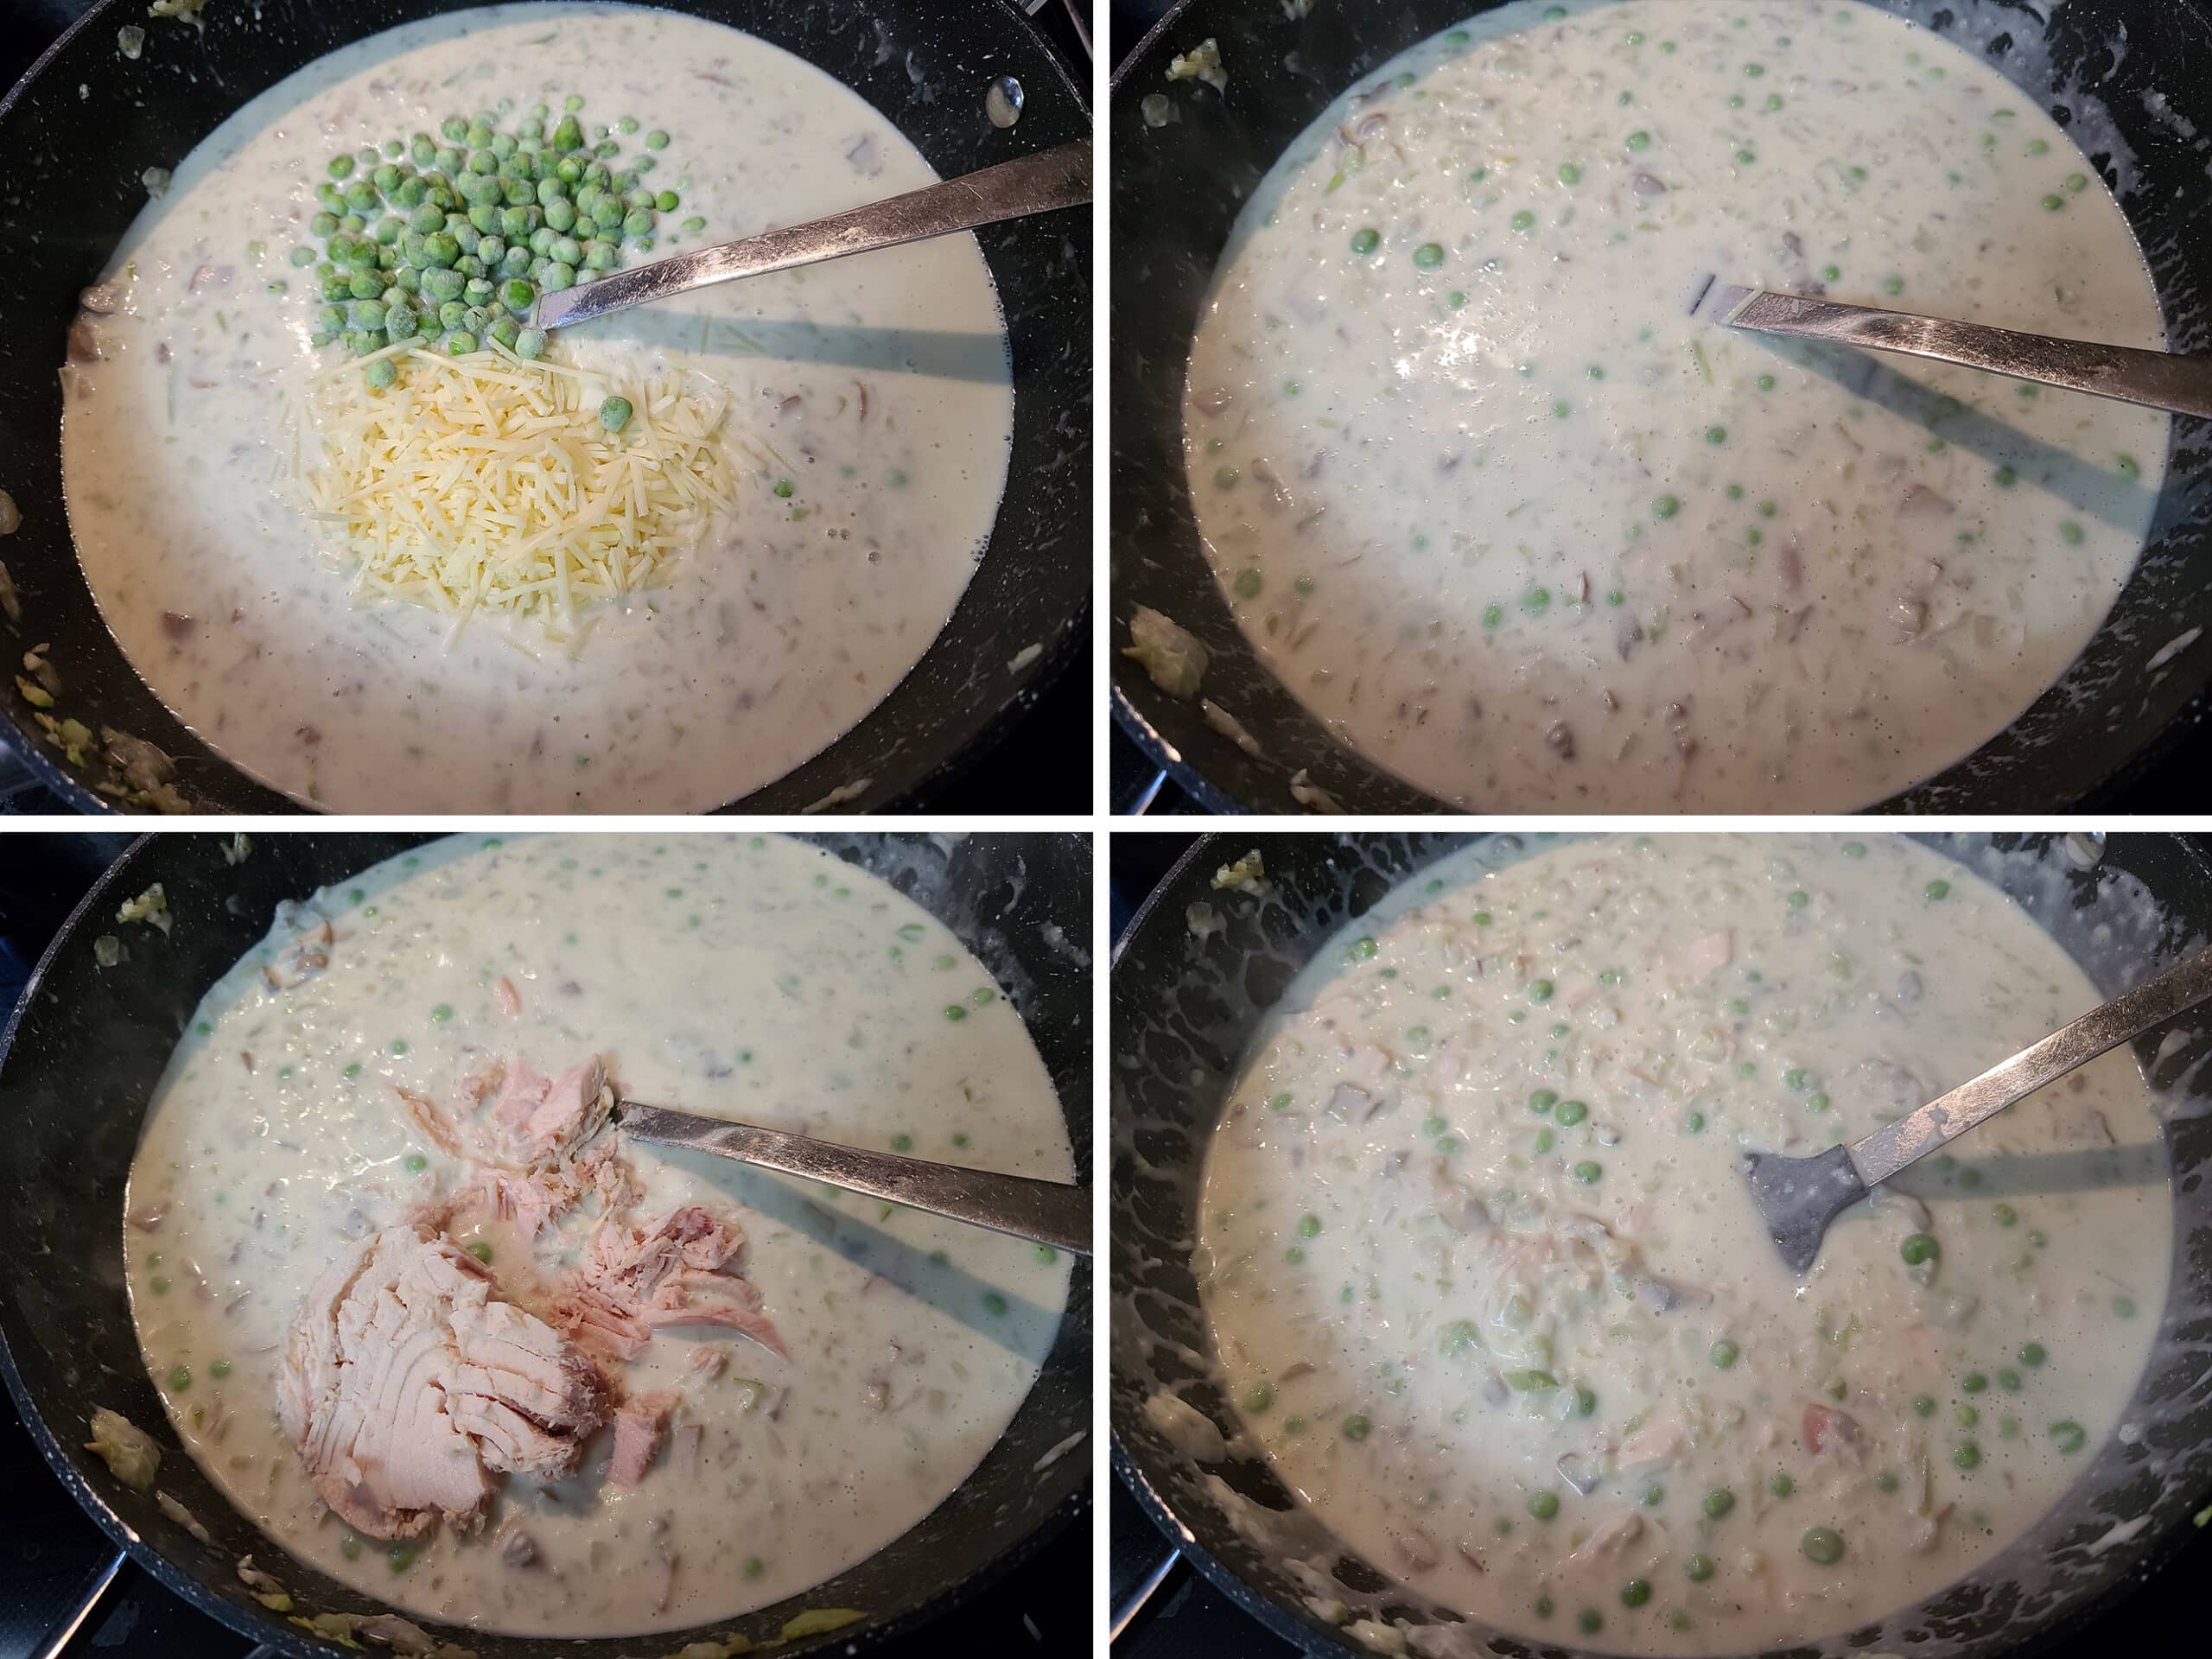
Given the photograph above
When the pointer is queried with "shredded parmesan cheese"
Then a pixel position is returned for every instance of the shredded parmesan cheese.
(486, 483)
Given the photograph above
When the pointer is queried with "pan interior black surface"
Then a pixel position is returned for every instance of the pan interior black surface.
(1184, 1013)
(70, 167)
(79, 1061)
(2147, 70)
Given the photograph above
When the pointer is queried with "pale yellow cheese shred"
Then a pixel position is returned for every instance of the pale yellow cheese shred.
(487, 484)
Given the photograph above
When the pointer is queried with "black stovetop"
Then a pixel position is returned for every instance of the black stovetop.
(66, 1592)
(1164, 1608)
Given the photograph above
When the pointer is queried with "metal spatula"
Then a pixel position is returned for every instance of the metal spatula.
(2160, 379)
(1035, 184)
(1797, 1197)
(1045, 1211)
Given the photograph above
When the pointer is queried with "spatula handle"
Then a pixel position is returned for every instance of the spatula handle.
(1048, 1212)
(2146, 1007)
(2160, 379)
(1038, 183)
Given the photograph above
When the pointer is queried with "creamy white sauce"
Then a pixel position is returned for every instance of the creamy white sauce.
(1499, 511)
(795, 619)
(1475, 1236)
(756, 978)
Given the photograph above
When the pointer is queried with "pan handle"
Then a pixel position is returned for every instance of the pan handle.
(1128, 1610)
(58, 1640)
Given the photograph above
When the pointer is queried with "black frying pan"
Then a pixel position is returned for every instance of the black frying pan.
(2102, 725)
(1184, 1012)
(69, 178)
(81, 1054)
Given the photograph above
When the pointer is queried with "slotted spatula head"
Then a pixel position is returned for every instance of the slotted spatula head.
(1797, 1197)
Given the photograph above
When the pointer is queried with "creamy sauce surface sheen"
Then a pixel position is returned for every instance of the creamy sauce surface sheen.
(757, 978)
(796, 617)
(1487, 1285)
(1488, 501)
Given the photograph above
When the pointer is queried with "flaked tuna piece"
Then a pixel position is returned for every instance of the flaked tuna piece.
(640, 1427)
(533, 1123)
(517, 1197)
(574, 1109)
(407, 1381)
(521, 1090)
(532, 1199)
(450, 1130)
(672, 1271)
(600, 1321)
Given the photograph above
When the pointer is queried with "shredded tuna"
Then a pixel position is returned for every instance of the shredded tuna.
(407, 1381)
(675, 1270)
(532, 1123)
